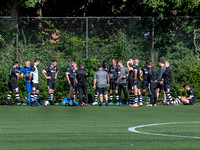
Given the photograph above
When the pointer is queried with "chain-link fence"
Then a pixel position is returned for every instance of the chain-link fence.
(97, 37)
(100, 38)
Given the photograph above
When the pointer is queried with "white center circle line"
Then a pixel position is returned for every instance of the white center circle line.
(133, 129)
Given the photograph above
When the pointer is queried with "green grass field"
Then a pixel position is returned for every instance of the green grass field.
(62, 127)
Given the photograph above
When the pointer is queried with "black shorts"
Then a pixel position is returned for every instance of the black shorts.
(145, 85)
(130, 85)
(73, 84)
(191, 102)
(160, 86)
(136, 83)
(102, 90)
(13, 85)
(113, 85)
(35, 86)
(167, 88)
(51, 84)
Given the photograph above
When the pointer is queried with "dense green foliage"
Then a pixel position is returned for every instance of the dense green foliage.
(173, 41)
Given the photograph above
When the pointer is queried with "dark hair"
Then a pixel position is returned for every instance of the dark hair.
(14, 63)
(160, 61)
(36, 60)
(167, 61)
(81, 65)
(113, 58)
(120, 61)
(54, 61)
(100, 66)
(150, 63)
(185, 85)
(105, 61)
(73, 60)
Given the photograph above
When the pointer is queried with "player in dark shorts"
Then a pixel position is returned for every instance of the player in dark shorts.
(189, 99)
(52, 72)
(113, 74)
(95, 102)
(160, 84)
(71, 76)
(136, 83)
(145, 73)
(105, 68)
(101, 82)
(131, 66)
(139, 72)
(81, 80)
(121, 80)
(167, 77)
(12, 84)
(152, 79)
(33, 79)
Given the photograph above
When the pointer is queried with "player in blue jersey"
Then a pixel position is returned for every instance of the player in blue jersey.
(26, 71)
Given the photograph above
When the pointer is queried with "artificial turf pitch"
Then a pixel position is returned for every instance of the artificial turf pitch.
(64, 127)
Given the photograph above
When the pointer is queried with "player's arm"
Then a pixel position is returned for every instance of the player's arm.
(44, 73)
(129, 68)
(95, 81)
(108, 81)
(141, 76)
(190, 96)
(68, 80)
(56, 75)
(117, 81)
(31, 74)
(110, 75)
(17, 74)
(22, 72)
(30, 77)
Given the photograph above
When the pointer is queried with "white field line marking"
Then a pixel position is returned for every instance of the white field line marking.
(133, 129)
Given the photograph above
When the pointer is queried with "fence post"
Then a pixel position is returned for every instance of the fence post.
(17, 39)
(86, 47)
(152, 44)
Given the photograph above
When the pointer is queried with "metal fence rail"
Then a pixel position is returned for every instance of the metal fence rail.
(99, 37)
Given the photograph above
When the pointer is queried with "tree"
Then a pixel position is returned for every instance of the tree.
(12, 7)
(172, 7)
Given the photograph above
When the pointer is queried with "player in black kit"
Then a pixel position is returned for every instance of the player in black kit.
(52, 72)
(153, 73)
(160, 84)
(131, 66)
(113, 74)
(138, 85)
(167, 77)
(71, 75)
(145, 73)
(12, 84)
(189, 99)
(34, 80)
(81, 81)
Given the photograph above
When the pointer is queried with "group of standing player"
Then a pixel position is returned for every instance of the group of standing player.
(113, 77)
